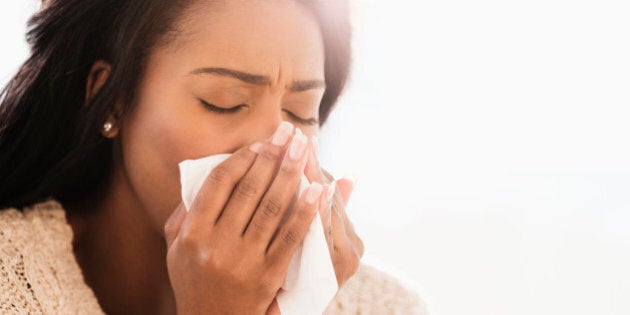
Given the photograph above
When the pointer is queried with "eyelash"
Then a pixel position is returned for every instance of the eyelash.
(310, 121)
(231, 110)
(222, 110)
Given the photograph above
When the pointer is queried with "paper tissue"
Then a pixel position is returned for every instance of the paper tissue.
(310, 284)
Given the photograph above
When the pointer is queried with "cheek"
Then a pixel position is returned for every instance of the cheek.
(161, 132)
(158, 138)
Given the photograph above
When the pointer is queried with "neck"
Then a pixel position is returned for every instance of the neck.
(123, 258)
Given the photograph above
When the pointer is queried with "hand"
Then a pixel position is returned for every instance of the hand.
(224, 255)
(346, 248)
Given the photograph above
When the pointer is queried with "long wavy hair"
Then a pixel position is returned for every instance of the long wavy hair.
(50, 140)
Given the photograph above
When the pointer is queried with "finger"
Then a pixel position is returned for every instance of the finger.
(345, 186)
(250, 189)
(277, 199)
(174, 223)
(217, 188)
(314, 174)
(312, 170)
(338, 227)
(325, 213)
(347, 247)
(292, 232)
(344, 256)
(358, 245)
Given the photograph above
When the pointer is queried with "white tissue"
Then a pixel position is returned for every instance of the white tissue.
(310, 283)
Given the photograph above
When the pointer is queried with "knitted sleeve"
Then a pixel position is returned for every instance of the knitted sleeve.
(38, 272)
(371, 291)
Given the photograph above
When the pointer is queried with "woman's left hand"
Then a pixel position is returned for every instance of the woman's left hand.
(346, 248)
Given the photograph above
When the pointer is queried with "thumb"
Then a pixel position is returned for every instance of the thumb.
(345, 186)
(174, 223)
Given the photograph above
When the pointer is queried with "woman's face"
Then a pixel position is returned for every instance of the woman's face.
(258, 62)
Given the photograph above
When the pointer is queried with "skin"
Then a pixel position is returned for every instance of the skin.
(138, 249)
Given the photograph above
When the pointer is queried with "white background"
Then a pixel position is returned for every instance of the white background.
(490, 139)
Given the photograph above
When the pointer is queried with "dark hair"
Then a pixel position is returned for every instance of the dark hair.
(50, 140)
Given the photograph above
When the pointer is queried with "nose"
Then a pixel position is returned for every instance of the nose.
(263, 126)
(270, 128)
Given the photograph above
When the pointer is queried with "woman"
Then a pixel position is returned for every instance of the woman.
(114, 95)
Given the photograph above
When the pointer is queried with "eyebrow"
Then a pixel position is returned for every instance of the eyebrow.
(296, 86)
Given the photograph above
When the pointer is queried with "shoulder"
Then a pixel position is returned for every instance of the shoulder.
(372, 291)
(33, 224)
(38, 271)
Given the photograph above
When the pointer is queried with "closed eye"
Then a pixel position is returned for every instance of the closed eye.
(231, 110)
(222, 110)
(309, 121)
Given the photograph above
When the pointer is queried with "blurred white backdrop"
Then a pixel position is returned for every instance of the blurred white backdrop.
(490, 139)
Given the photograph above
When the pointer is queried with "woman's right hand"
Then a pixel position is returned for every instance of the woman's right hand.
(224, 255)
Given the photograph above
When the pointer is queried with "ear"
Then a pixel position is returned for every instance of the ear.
(99, 73)
(97, 77)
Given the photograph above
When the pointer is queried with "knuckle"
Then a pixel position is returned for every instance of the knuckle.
(220, 175)
(189, 242)
(271, 207)
(360, 246)
(290, 236)
(246, 189)
(290, 169)
(306, 214)
(269, 153)
(257, 227)
(206, 261)
(213, 260)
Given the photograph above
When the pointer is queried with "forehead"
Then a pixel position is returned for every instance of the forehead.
(263, 37)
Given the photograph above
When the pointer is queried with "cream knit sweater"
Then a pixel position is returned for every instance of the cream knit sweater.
(39, 273)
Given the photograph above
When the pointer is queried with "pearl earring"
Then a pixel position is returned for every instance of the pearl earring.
(107, 126)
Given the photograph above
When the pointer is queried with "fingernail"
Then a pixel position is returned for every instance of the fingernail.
(282, 134)
(331, 191)
(298, 145)
(313, 192)
(315, 142)
(353, 179)
(256, 147)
